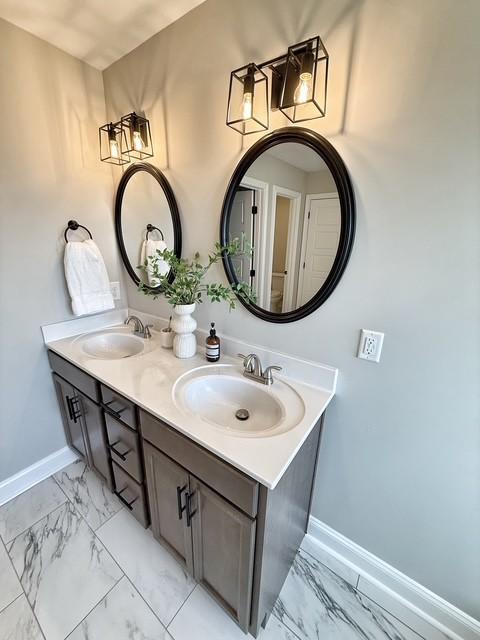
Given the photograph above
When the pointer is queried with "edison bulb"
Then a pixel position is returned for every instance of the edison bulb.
(137, 141)
(304, 88)
(247, 106)
(114, 149)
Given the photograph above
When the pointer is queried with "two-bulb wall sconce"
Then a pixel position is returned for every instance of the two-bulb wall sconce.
(299, 88)
(128, 138)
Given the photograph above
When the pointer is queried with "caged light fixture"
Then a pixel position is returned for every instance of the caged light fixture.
(129, 138)
(299, 88)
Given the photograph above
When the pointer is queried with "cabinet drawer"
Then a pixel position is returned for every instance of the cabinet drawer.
(124, 447)
(230, 483)
(131, 494)
(119, 407)
(79, 379)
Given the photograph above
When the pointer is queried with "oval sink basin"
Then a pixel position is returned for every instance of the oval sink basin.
(113, 346)
(221, 396)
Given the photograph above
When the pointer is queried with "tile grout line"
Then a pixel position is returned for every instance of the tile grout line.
(327, 567)
(12, 601)
(181, 607)
(142, 598)
(284, 624)
(24, 593)
(95, 606)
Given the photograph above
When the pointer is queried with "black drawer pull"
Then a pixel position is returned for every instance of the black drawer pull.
(74, 414)
(122, 456)
(114, 412)
(181, 508)
(188, 505)
(69, 407)
(122, 499)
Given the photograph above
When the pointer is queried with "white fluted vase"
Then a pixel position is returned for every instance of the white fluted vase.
(184, 343)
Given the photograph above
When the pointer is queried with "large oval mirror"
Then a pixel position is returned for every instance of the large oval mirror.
(291, 207)
(146, 219)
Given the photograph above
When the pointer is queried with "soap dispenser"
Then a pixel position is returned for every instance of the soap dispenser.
(212, 344)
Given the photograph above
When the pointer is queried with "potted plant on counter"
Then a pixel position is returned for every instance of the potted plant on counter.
(184, 287)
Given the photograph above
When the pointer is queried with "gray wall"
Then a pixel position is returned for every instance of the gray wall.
(400, 458)
(51, 105)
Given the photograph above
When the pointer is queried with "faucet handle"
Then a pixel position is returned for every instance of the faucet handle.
(146, 331)
(267, 374)
(247, 361)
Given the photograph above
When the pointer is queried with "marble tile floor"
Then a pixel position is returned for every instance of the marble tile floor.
(75, 564)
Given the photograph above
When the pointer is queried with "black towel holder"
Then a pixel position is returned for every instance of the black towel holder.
(151, 228)
(73, 225)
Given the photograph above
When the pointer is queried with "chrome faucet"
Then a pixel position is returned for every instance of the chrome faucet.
(139, 329)
(252, 368)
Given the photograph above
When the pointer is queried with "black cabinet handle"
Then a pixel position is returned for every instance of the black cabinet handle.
(122, 456)
(69, 407)
(125, 502)
(188, 505)
(181, 508)
(116, 413)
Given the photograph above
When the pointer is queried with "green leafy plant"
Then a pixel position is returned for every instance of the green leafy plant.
(184, 283)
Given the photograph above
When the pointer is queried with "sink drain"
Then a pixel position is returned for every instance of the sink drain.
(242, 414)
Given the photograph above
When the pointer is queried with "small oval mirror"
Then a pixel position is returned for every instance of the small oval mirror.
(146, 219)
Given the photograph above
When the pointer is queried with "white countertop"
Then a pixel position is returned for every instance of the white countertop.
(147, 380)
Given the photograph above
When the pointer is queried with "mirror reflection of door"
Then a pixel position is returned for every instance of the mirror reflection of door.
(242, 226)
(320, 241)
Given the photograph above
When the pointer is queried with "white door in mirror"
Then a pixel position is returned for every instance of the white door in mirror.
(370, 345)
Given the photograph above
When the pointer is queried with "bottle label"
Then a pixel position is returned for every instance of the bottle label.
(213, 351)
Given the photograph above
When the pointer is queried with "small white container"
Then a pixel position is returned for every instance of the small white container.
(166, 338)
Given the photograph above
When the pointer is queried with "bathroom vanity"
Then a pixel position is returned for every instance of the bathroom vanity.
(232, 507)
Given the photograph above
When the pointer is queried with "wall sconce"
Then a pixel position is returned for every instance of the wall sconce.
(138, 137)
(128, 138)
(299, 87)
(248, 100)
(112, 140)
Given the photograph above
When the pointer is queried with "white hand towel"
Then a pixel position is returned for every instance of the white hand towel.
(149, 249)
(87, 278)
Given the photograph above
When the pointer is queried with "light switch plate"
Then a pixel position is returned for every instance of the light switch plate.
(115, 289)
(370, 345)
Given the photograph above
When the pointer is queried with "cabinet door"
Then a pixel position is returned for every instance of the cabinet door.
(167, 486)
(71, 415)
(223, 550)
(93, 423)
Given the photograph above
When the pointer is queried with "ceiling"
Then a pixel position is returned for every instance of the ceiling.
(97, 31)
(299, 156)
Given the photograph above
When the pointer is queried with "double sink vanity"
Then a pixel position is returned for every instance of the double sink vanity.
(228, 496)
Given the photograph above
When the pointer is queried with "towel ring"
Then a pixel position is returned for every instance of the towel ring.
(151, 228)
(73, 226)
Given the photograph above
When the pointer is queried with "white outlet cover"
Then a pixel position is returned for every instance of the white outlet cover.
(115, 289)
(370, 345)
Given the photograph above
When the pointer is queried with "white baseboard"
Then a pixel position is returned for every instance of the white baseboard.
(442, 615)
(20, 482)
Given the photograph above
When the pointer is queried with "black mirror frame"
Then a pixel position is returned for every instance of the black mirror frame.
(172, 203)
(344, 186)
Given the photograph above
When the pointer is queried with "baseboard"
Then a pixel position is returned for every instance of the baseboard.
(444, 616)
(20, 482)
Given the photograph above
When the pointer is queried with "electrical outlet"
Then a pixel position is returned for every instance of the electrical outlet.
(370, 345)
(115, 289)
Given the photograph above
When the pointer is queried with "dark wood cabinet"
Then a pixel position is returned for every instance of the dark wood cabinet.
(95, 436)
(168, 486)
(68, 400)
(223, 550)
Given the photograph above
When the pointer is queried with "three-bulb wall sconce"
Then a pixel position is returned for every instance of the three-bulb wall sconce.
(299, 88)
(128, 138)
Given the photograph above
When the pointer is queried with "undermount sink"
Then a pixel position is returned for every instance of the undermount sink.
(113, 345)
(221, 396)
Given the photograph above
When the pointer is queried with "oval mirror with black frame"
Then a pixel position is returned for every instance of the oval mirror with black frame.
(291, 206)
(146, 219)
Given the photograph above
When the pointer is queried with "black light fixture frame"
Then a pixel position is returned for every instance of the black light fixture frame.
(281, 95)
(251, 69)
(112, 129)
(134, 122)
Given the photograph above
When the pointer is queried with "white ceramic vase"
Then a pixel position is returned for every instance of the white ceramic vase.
(184, 343)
